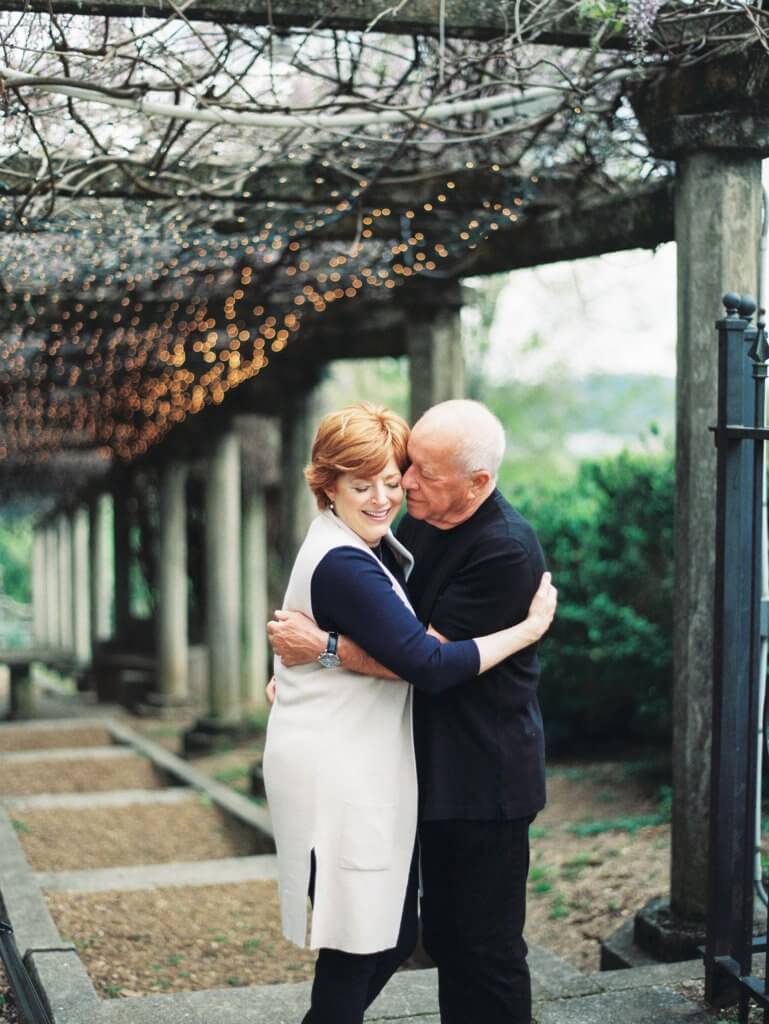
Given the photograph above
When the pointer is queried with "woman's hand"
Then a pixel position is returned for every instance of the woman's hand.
(270, 691)
(542, 607)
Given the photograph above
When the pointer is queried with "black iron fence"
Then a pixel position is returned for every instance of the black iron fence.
(28, 1001)
(739, 706)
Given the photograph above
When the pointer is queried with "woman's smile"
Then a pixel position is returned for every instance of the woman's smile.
(368, 505)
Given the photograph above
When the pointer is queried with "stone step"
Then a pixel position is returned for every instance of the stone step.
(221, 871)
(67, 754)
(108, 798)
(50, 725)
(641, 996)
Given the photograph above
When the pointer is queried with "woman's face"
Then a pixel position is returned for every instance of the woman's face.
(368, 505)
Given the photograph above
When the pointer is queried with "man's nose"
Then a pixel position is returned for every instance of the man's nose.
(408, 479)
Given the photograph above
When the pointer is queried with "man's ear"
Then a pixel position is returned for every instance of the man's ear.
(479, 481)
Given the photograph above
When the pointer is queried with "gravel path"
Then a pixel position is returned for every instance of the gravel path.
(75, 776)
(172, 940)
(104, 837)
(52, 739)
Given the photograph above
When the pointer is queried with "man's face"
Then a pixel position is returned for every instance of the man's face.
(438, 490)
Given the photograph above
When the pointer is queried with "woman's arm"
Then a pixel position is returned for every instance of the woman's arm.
(352, 594)
(497, 646)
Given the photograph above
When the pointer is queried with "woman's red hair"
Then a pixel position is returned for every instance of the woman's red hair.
(358, 439)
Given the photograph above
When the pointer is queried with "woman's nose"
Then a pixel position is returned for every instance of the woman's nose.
(379, 494)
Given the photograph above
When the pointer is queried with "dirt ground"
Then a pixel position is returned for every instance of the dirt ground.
(105, 837)
(599, 851)
(49, 739)
(8, 1012)
(78, 776)
(170, 940)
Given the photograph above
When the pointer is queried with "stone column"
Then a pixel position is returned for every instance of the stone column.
(66, 636)
(709, 118)
(223, 568)
(297, 430)
(434, 345)
(255, 650)
(718, 221)
(99, 569)
(172, 587)
(53, 638)
(121, 524)
(81, 587)
(39, 603)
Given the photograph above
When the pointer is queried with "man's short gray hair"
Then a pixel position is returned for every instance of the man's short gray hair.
(480, 437)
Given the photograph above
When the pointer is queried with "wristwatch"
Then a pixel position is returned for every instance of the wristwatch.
(329, 658)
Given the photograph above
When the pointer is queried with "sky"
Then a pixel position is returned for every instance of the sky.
(610, 314)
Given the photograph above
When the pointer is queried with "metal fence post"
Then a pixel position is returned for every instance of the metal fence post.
(740, 436)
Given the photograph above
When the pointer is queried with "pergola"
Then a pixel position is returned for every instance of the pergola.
(260, 188)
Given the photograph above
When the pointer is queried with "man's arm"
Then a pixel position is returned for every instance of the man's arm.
(297, 640)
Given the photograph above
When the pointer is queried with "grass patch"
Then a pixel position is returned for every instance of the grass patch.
(559, 907)
(230, 775)
(19, 825)
(574, 867)
(537, 832)
(630, 823)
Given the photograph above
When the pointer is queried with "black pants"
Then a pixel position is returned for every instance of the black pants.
(345, 984)
(473, 912)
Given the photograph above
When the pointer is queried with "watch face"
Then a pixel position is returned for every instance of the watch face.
(329, 660)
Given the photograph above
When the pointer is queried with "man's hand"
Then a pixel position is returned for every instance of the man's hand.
(295, 638)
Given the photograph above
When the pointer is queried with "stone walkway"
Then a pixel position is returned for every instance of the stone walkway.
(640, 996)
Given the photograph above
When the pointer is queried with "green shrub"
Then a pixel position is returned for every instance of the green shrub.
(608, 538)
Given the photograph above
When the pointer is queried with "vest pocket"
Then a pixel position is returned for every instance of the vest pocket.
(368, 837)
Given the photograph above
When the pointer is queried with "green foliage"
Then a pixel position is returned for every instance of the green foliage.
(631, 824)
(16, 558)
(607, 668)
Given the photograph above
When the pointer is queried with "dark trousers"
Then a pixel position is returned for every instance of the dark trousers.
(345, 984)
(473, 912)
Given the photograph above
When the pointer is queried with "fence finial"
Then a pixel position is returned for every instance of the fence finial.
(747, 306)
(731, 302)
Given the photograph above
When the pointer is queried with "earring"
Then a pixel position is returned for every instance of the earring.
(331, 506)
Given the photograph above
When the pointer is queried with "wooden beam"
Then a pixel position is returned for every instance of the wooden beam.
(468, 19)
(640, 221)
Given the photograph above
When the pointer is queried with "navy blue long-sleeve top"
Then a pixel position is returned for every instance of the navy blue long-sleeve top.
(352, 594)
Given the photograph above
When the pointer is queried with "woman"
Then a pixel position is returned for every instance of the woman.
(339, 761)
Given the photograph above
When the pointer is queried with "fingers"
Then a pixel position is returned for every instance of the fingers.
(273, 625)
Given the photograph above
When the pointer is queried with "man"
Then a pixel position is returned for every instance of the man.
(479, 746)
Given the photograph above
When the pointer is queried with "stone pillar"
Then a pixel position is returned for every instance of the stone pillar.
(718, 222)
(711, 118)
(255, 650)
(53, 638)
(434, 346)
(66, 637)
(172, 588)
(99, 569)
(121, 524)
(39, 603)
(81, 587)
(223, 568)
(297, 430)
